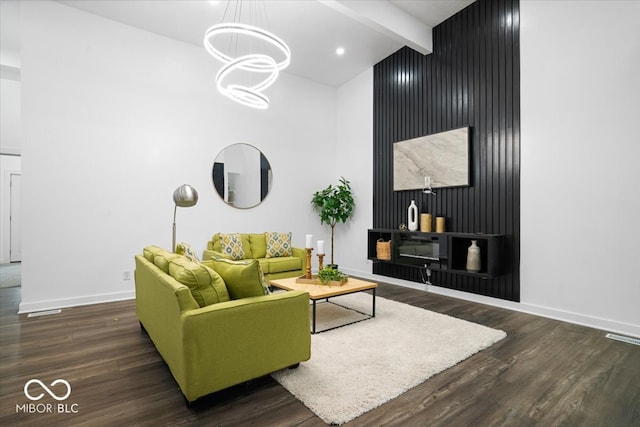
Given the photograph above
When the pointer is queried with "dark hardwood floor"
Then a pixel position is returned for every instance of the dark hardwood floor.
(544, 373)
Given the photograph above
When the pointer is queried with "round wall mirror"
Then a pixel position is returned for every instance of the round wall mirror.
(242, 175)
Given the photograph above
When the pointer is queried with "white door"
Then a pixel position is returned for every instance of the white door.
(15, 251)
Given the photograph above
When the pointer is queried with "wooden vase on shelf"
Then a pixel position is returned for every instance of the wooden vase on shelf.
(425, 223)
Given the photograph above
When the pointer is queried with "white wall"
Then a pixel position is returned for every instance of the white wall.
(580, 203)
(580, 63)
(10, 57)
(114, 120)
(354, 161)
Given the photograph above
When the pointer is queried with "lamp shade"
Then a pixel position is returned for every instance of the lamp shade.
(185, 196)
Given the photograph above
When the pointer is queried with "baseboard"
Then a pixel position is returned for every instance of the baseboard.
(548, 312)
(551, 313)
(74, 302)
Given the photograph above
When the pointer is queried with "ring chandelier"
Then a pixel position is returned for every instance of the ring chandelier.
(249, 95)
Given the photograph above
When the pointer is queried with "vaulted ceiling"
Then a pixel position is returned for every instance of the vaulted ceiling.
(367, 30)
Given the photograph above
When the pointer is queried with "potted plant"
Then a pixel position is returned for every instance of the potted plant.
(331, 276)
(335, 204)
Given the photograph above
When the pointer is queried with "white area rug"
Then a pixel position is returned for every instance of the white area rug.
(357, 368)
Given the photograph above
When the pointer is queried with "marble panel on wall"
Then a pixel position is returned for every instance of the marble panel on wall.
(442, 156)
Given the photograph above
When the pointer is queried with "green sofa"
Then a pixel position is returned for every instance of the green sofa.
(215, 330)
(255, 247)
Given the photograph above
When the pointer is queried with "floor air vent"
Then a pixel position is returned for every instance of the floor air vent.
(622, 338)
(43, 313)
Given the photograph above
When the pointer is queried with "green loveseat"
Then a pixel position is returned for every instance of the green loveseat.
(255, 247)
(214, 333)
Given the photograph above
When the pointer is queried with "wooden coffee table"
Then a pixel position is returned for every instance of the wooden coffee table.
(321, 292)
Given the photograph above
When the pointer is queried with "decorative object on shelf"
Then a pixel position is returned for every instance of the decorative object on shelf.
(425, 222)
(308, 241)
(437, 252)
(383, 250)
(473, 257)
(332, 277)
(427, 186)
(440, 224)
(249, 54)
(402, 227)
(184, 196)
(412, 213)
(335, 204)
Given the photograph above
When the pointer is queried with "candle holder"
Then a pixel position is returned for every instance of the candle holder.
(309, 250)
(309, 279)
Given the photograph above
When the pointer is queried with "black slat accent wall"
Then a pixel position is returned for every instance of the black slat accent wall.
(471, 78)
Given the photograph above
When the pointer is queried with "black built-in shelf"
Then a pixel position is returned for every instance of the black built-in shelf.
(472, 78)
(439, 251)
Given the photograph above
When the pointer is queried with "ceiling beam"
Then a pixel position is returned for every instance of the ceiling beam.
(389, 20)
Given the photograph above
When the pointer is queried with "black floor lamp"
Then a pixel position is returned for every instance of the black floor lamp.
(185, 196)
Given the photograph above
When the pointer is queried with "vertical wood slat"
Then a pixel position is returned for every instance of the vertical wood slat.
(471, 78)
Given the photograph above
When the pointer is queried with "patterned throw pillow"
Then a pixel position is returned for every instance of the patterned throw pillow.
(278, 244)
(231, 245)
(265, 286)
(187, 251)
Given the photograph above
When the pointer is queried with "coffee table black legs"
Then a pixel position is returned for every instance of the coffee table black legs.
(370, 316)
(313, 318)
(373, 304)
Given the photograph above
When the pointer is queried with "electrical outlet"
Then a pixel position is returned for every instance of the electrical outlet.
(126, 275)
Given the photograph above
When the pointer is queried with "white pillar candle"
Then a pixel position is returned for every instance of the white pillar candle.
(320, 247)
(309, 241)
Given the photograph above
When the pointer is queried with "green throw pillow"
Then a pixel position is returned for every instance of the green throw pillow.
(161, 260)
(231, 245)
(206, 286)
(187, 251)
(258, 245)
(278, 244)
(151, 251)
(243, 278)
